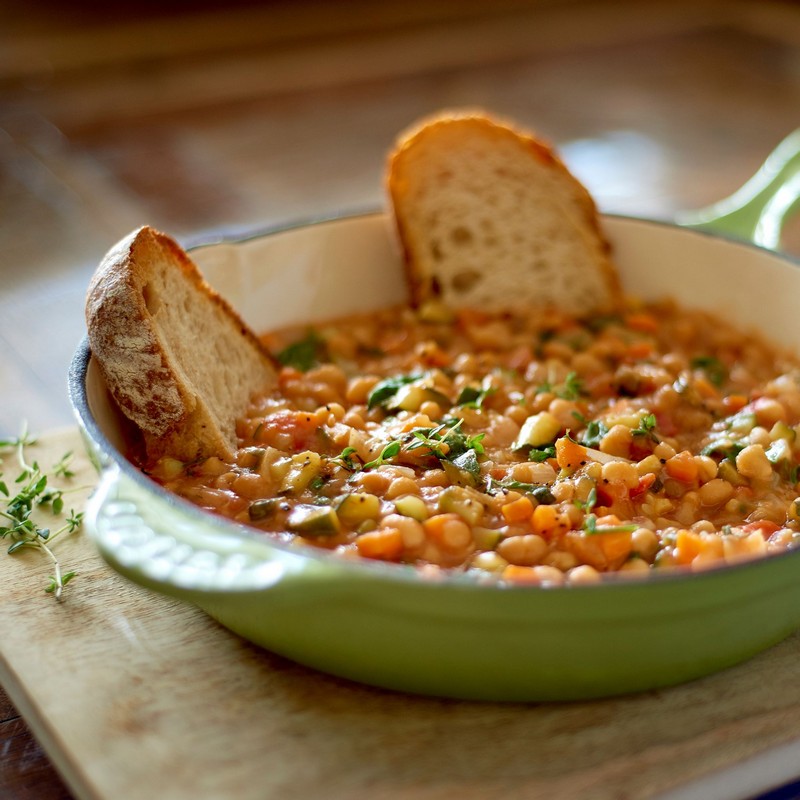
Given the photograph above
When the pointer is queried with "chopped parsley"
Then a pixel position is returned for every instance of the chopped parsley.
(473, 397)
(384, 391)
(646, 428)
(595, 431)
(304, 353)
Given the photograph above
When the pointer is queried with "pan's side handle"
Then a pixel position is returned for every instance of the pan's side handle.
(757, 211)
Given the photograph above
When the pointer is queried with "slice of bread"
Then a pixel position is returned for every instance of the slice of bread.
(178, 360)
(490, 218)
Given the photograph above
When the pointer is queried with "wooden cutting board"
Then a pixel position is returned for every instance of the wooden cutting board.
(137, 696)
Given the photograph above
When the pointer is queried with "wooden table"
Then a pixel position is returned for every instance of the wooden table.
(240, 116)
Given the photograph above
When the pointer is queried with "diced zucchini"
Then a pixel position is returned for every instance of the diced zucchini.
(538, 430)
(455, 500)
(486, 538)
(412, 506)
(743, 422)
(463, 471)
(303, 468)
(728, 472)
(779, 450)
(314, 520)
(780, 430)
(262, 509)
(251, 458)
(357, 507)
(413, 395)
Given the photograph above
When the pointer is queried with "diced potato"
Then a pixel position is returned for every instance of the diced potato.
(538, 430)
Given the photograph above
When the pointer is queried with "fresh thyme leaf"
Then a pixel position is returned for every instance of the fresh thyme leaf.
(572, 388)
(22, 530)
(647, 427)
(305, 353)
(61, 468)
(345, 458)
(388, 452)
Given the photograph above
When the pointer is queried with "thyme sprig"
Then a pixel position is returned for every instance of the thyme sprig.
(31, 492)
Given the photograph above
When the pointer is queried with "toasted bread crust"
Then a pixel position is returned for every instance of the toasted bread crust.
(145, 363)
(411, 164)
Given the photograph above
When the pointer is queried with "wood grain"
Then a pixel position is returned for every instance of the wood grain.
(199, 117)
(137, 696)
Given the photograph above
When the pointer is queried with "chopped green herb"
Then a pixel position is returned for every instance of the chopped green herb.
(591, 528)
(541, 492)
(714, 369)
(572, 388)
(466, 463)
(725, 449)
(646, 428)
(345, 458)
(595, 431)
(388, 453)
(540, 454)
(473, 397)
(590, 502)
(383, 391)
(305, 353)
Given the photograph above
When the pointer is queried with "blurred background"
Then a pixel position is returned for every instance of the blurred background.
(201, 117)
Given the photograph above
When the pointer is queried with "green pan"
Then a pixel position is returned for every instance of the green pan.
(386, 624)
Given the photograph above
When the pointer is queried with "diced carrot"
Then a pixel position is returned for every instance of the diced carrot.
(641, 321)
(705, 388)
(616, 547)
(569, 454)
(734, 402)
(639, 350)
(688, 545)
(385, 544)
(544, 520)
(519, 510)
(682, 467)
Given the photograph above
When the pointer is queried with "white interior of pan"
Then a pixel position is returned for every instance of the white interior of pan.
(330, 269)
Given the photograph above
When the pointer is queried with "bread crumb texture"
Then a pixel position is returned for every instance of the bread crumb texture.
(490, 218)
(178, 360)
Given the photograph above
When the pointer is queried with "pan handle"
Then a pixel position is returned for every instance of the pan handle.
(757, 211)
(149, 540)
